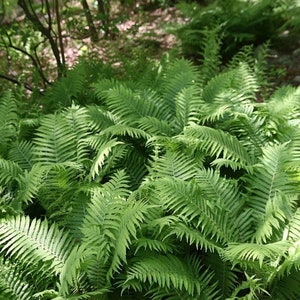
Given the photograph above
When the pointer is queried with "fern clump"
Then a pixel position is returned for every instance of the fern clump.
(179, 187)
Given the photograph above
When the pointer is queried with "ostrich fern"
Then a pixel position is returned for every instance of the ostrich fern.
(182, 189)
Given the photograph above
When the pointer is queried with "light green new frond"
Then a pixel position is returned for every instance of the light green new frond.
(188, 105)
(220, 191)
(239, 82)
(104, 148)
(131, 218)
(9, 171)
(129, 106)
(124, 130)
(271, 192)
(185, 200)
(22, 154)
(55, 141)
(179, 75)
(111, 222)
(12, 284)
(294, 226)
(171, 273)
(34, 241)
(243, 252)
(219, 144)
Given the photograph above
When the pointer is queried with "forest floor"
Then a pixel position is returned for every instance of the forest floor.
(148, 34)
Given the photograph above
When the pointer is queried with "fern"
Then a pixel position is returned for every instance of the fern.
(31, 242)
(8, 121)
(171, 273)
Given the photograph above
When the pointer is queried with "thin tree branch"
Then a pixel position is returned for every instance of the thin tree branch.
(26, 85)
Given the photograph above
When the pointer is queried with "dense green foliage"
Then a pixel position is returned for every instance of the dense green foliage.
(238, 23)
(175, 184)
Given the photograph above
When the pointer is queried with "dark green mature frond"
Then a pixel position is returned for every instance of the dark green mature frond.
(171, 272)
(100, 118)
(22, 154)
(8, 121)
(225, 274)
(34, 241)
(287, 287)
(211, 59)
(55, 141)
(9, 171)
(220, 144)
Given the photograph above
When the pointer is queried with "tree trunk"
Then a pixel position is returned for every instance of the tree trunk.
(90, 22)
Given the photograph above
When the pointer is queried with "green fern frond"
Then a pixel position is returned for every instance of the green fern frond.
(78, 118)
(22, 154)
(193, 237)
(34, 241)
(124, 130)
(210, 51)
(185, 199)
(104, 148)
(173, 164)
(10, 171)
(100, 118)
(188, 104)
(154, 126)
(111, 222)
(271, 189)
(8, 121)
(29, 184)
(262, 253)
(179, 75)
(220, 144)
(240, 82)
(54, 141)
(12, 283)
(171, 273)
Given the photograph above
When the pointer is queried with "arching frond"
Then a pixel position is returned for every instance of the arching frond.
(22, 154)
(220, 144)
(239, 252)
(9, 171)
(8, 121)
(173, 164)
(111, 222)
(271, 191)
(179, 75)
(55, 141)
(34, 241)
(172, 273)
